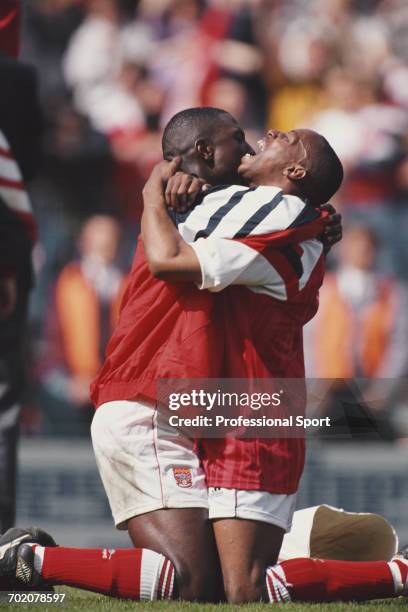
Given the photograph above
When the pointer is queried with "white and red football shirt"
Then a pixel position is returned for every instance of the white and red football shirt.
(275, 292)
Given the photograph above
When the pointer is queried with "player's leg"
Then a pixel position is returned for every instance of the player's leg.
(246, 548)
(186, 538)
(325, 532)
(249, 544)
(318, 580)
(36, 564)
(299, 579)
(311, 580)
(249, 528)
(157, 490)
(244, 545)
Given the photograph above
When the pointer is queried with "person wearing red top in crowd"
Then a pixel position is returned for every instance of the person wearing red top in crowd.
(81, 317)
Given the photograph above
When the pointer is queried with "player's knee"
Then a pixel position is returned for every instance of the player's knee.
(195, 585)
(243, 593)
(240, 590)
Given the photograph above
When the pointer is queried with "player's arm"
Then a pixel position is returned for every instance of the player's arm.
(209, 263)
(168, 255)
(225, 262)
(182, 190)
(212, 263)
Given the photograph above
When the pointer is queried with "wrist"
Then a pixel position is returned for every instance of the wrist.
(153, 197)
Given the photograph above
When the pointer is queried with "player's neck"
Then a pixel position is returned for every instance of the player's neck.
(287, 187)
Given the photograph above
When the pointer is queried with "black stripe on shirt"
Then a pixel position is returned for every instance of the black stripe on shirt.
(307, 215)
(293, 258)
(181, 217)
(219, 214)
(259, 216)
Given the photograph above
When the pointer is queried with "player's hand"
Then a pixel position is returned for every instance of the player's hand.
(182, 190)
(333, 232)
(159, 176)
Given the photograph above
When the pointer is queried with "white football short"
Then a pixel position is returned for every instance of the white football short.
(143, 471)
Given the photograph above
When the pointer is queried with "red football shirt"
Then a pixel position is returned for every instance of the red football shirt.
(271, 340)
(165, 330)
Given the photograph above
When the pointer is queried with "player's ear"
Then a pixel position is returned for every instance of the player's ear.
(204, 149)
(296, 172)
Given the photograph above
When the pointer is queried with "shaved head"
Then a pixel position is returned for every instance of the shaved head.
(187, 126)
(210, 142)
(324, 168)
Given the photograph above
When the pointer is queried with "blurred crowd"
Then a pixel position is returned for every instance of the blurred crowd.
(112, 72)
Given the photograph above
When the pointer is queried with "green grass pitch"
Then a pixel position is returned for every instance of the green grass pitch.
(84, 601)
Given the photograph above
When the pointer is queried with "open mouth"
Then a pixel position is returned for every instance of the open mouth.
(246, 161)
(248, 156)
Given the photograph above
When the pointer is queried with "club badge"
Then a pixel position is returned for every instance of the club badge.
(183, 477)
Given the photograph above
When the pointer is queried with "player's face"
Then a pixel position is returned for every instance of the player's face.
(278, 152)
(230, 146)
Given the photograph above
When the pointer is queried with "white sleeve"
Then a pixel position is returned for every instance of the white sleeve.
(237, 211)
(226, 262)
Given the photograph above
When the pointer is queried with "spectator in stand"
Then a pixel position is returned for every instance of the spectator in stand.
(47, 28)
(231, 95)
(84, 309)
(75, 182)
(360, 331)
(92, 64)
(368, 134)
(366, 131)
(185, 55)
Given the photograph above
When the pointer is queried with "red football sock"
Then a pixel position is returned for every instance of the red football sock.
(135, 573)
(321, 580)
